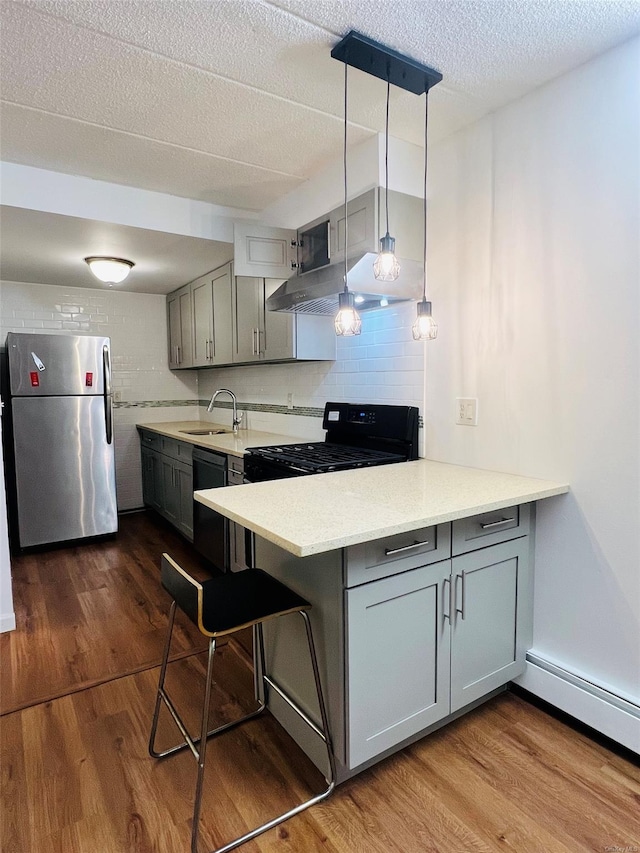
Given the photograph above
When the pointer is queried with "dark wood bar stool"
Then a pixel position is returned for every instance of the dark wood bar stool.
(220, 606)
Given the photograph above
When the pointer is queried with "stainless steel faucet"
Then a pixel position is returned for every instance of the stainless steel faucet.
(237, 416)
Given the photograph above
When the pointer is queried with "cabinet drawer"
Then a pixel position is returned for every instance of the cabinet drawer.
(150, 439)
(489, 528)
(393, 554)
(180, 450)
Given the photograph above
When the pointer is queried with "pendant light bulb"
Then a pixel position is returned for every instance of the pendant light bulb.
(386, 266)
(425, 328)
(347, 321)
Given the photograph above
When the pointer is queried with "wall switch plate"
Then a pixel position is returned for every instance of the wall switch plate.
(467, 411)
(289, 401)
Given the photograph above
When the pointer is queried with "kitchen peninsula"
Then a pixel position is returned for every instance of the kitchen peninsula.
(421, 580)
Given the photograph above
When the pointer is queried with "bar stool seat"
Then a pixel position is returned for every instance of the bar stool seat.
(221, 606)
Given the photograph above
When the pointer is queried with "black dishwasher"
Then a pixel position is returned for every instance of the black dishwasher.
(210, 529)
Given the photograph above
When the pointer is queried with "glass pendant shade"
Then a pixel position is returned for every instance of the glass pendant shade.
(110, 270)
(425, 328)
(347, 321)
(386, 266)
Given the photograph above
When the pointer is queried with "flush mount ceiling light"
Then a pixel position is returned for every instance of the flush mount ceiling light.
(380, 61)
(109, 270)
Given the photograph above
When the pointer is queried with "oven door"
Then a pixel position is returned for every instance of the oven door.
(210, 529)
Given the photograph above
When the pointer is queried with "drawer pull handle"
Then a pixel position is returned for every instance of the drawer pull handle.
(390, 551)
(489, 524)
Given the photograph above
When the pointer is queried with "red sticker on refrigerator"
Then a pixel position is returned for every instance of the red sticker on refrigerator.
(35, 379)
(88, 381)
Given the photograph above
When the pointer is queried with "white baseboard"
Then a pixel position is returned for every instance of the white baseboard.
(605, 712)
(7, 622)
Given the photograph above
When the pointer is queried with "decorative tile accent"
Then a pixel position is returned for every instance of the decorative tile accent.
(157, 404)
(300, 411)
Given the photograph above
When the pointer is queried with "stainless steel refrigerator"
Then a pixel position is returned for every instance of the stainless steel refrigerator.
(62, 422)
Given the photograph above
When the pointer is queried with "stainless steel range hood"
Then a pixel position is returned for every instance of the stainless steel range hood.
(316, 292)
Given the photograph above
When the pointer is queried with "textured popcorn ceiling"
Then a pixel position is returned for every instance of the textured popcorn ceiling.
(237, 102)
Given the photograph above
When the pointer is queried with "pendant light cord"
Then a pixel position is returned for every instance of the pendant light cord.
(386, 154)
(344, 160)
(424, 195)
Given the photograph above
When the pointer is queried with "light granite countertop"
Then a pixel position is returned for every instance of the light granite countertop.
(321, 512)
(232, 445)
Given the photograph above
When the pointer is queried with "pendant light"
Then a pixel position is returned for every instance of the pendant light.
(109, 270)
(386, 266)
(425, 327)
(386, 64)
(347, 321)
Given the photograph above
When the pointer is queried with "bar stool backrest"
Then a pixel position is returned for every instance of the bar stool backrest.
(185, 590)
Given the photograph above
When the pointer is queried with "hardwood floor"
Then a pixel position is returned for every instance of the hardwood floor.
(77, 778)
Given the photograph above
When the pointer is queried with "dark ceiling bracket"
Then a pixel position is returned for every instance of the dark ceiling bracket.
(381, 61)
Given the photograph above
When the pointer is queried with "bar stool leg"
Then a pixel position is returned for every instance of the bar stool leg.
(163, 672)
(323, 709)
(202, 752)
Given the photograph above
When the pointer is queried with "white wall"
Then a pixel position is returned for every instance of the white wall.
(535, 278)
(382, 365)
(136, 324)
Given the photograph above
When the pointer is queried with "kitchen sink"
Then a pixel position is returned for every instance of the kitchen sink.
(204, 431)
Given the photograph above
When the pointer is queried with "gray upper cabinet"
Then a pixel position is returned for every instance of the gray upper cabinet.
(212, 318)
(180, 328)
(267, 336)
(221, 319)
(362, 224)
(263, 252)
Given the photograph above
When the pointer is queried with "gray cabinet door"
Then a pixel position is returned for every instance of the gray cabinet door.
(262, 251)
(398, 643)
(148, 481)
(173, 321)
(221, 351)
(362, 222)
(179, 328)
(170, 506)
(202, 302)
(490, 599)
(183, 477)
(248, 318)
(279, 341)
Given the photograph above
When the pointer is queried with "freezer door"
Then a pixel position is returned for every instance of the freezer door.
(65, 469)
(56, 365)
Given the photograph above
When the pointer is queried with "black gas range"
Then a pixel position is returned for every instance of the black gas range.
(358, 436)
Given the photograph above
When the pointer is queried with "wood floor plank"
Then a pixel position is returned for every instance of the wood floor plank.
(77, 778)
(94, 611)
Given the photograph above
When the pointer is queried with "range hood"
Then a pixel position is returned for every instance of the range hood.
(316, 292)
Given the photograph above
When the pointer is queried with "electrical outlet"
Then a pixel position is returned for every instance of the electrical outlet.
(117, 396)
(289, 401)
(467, 411)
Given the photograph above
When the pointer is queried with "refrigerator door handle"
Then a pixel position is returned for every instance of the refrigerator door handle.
(108, 411)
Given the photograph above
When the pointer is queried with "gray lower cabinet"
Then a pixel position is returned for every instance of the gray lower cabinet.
(411, 629)
(167, 479)
(424, 643)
